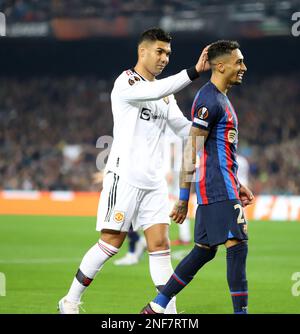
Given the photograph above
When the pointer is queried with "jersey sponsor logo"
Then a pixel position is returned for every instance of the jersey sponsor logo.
(147, 114)
(203, 113)
(119, 216)
(157, 115)
(231, 136)
(199, 121)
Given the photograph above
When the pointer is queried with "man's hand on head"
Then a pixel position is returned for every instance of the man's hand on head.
(202, 64)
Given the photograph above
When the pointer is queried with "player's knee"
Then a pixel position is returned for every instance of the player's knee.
(158, 244)
(232, 242)
(210, 252)
(113, 238)
(240, 250)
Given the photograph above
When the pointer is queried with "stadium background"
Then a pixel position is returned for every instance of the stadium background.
(58, 64)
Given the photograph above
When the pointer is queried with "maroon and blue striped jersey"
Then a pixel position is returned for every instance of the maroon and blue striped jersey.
(216, 168)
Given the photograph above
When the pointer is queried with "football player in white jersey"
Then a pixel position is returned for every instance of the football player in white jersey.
(134, 187)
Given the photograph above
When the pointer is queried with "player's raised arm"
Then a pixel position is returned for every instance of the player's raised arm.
(196, 138)
(155, 90)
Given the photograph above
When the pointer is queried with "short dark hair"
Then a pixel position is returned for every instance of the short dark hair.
(220, 48)
(155, 34)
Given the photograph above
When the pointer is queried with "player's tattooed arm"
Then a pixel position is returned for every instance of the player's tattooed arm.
(194, 144)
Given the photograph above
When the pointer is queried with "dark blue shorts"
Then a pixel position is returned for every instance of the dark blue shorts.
(217, 222)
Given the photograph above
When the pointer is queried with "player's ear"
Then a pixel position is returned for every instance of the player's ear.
(142, 49)
(220, 67)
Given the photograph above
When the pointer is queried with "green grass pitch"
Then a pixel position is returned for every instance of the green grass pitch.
(40, 255)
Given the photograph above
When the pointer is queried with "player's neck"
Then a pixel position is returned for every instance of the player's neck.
(141, 70)
(220, 84)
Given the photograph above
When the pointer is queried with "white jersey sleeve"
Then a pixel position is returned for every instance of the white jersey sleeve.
(179, 124)
(243, 170)
(131, 90)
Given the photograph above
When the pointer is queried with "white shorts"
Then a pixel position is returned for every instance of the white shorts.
(122, 205)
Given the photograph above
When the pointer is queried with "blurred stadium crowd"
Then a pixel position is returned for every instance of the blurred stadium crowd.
(44, 10)
(49, 127)
(37, 10)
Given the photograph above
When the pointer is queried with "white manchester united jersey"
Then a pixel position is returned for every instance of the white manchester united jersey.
(142, 110)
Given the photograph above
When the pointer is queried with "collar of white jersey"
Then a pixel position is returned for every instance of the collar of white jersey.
(134, 71)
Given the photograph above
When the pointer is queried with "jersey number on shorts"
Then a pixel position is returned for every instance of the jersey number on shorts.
(240, 219)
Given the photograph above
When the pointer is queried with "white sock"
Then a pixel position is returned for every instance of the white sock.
(91, 264)
(161, 270)
(157, 308)
(185, 231)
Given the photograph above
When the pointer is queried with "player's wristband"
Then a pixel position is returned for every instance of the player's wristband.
(184, 194)
(192, 73)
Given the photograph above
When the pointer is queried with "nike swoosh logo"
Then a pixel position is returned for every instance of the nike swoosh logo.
(230, 118)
